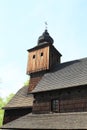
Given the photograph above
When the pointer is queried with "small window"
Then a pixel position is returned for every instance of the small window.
(33, 56)
(41, 54)
(55, 105)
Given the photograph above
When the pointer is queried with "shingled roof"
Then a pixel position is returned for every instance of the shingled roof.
(21, 99)
(76, 120)
(64, 75)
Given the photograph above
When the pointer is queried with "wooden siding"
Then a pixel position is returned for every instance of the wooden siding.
(36, 62)
(73, 105)
(70, 100)
(13, 114)
(54, 57)
(33, 82)
(41, 107)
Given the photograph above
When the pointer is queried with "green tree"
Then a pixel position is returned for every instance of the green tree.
(26, 83)
(2, 103)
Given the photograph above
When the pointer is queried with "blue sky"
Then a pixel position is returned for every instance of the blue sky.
(22, 22)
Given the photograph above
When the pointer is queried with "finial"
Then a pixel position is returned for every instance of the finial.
(46, 25)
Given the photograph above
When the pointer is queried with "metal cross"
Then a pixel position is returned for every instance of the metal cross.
(46, 25)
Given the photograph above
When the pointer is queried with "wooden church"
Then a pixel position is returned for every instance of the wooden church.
(56, 97)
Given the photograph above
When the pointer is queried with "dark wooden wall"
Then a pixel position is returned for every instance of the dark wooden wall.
(34, 79)
(12, 114)
(54, 57)
(70, 100)
(33, 82)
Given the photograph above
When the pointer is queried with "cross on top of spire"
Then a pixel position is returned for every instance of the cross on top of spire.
(46, 25)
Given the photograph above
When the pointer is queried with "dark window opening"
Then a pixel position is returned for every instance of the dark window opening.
(33, 56)
(41, 54)
(55, 105)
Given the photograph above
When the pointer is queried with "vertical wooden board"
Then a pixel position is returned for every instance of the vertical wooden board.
(43, 61)
(31, 61)
(54, 57)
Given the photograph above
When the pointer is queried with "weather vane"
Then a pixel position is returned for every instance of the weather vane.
(46, 25)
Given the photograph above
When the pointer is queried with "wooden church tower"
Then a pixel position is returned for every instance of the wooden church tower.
(41, 59)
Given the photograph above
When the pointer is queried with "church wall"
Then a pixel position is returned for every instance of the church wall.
(67, 100)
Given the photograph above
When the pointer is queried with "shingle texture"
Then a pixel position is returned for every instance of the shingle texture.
(21, 99)
(64, 75)
(50, 121)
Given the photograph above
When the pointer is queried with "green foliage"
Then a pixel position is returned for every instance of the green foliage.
(3, 102)
(26, 83)
(1, 116)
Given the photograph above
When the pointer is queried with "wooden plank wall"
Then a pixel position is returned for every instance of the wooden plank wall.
(73, 105)
(54, 57)
(42, 107)
(75, 101)
(12, 114)
(36, 62)
(33, 82)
